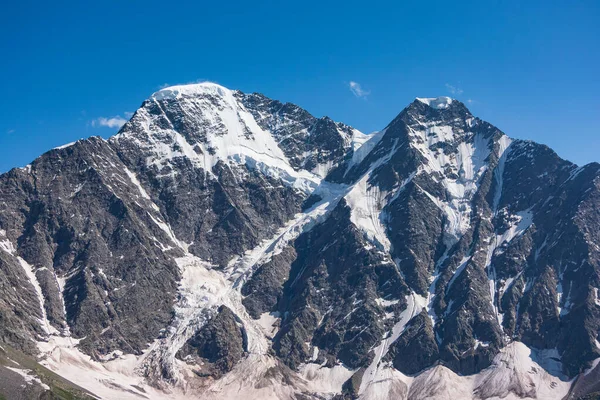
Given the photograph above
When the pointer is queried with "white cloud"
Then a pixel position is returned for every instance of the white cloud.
(357, 90)
(112, 122)
(454, 89)
(10, 131)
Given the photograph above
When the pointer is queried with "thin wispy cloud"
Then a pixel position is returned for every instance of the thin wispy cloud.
(454, 89)
(112, 122)
(10, 131)
(357, 89)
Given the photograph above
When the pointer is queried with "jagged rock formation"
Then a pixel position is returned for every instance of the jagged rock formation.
(230, 244)
(217, 346)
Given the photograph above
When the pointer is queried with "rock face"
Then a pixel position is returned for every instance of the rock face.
(277, 245)
(320, 300)
(217, 346)
(416, 348)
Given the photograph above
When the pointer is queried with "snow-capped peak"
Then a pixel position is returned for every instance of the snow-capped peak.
(439, 103)
(213, 126)
(194, 89)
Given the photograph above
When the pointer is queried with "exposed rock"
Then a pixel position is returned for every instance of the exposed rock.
(416, 349)
(432, 246)
(217, 346)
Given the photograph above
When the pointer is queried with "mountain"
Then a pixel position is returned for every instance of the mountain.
(224, 244)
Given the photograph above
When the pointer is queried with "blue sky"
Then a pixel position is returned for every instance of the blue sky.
(530, 68)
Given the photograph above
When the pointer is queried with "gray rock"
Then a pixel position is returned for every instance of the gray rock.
(217, 346)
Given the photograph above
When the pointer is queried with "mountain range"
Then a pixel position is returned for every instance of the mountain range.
(227, 245)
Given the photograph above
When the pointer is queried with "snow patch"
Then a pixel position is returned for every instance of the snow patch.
(516, 372)
(521, 222)
(366, 203)
(362, 145)
(29, 379)
(194, 89)
(377, 371)
(64, 146)
(7, 246)
(439, 103)
(467, 163)
(269, 323)
(324, 380)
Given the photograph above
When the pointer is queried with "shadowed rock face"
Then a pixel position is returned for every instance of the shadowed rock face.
(82, 228)
(410, 358)
(306, 141)
(433, 243)
(217, 346)
(321, 301)
(265, 288)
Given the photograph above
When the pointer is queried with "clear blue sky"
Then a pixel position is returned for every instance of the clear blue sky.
(530, 68)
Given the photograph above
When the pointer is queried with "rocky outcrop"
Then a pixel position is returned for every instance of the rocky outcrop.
(416, 348)
(217, 346)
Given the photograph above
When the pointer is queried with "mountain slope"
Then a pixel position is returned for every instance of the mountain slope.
(287, 255)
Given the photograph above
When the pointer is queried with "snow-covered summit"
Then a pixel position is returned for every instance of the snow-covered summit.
(439, 103)
(213, 126)
(206, 123)
(193, 89)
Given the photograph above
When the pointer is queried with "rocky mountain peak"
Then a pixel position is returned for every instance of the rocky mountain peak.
(435, 111)
(207, 123)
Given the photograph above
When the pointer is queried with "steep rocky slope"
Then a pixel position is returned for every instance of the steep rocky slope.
(226, 244)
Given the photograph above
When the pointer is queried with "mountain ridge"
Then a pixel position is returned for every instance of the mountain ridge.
(437, 243)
